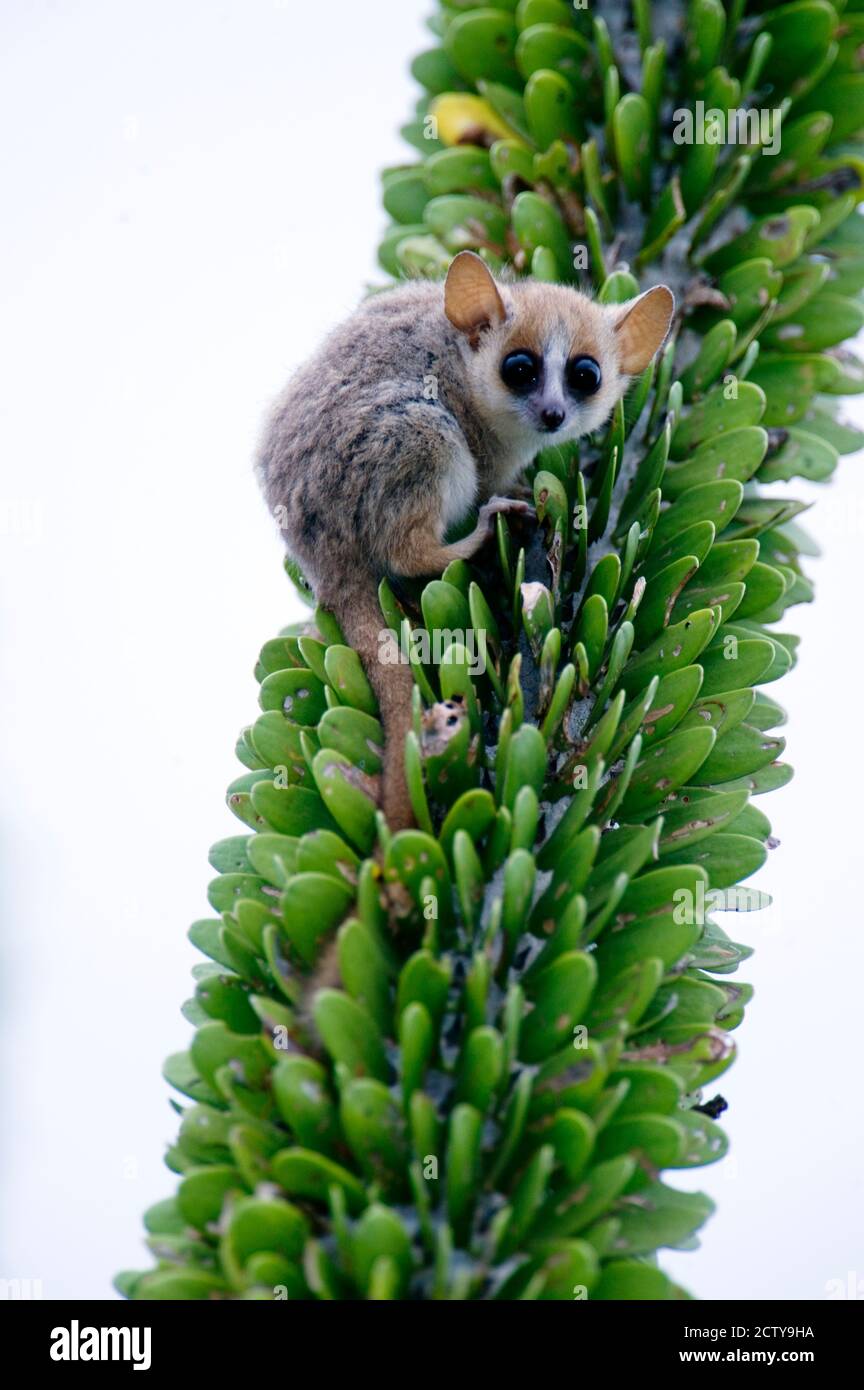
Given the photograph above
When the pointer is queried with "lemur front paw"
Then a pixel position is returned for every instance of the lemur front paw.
(514, 505)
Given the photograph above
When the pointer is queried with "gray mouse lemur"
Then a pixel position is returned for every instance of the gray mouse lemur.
(369, 468)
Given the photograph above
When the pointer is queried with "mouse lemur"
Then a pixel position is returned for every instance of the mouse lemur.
(369, 468)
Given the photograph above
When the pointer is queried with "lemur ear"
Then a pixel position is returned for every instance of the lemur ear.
(471, 298)
(642, 327)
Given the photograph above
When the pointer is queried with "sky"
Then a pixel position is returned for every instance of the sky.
(191, 201)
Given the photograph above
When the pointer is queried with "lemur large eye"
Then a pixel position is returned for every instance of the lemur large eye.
(583, 375)
(520, 371)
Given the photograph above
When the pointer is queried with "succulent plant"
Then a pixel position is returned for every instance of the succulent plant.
(532, 994)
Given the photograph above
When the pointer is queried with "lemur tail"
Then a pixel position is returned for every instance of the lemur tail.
(359, 615)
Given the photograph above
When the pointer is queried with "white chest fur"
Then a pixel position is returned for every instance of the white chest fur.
(459, 493)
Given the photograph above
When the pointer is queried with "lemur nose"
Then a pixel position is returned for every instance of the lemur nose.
(552, 419)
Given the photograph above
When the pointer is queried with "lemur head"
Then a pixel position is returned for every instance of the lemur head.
(545, 363)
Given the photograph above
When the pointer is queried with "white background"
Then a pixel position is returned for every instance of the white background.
(190, 200)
